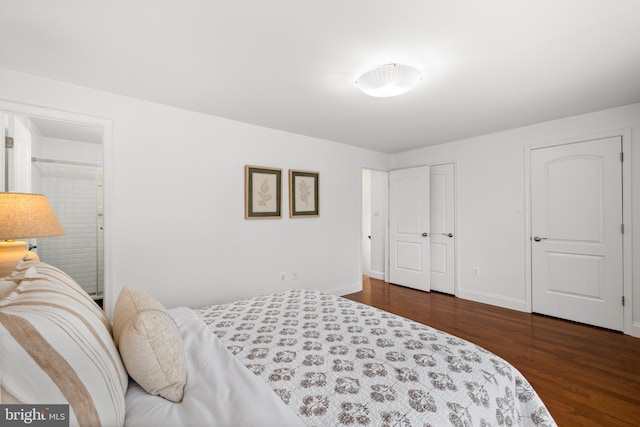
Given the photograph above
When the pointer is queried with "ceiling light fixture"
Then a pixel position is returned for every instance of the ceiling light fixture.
(389, 80)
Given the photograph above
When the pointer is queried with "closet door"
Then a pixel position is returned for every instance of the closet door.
(409, 222)
(442, 229)
(577, 240)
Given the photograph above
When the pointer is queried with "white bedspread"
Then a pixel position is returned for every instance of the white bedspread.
(336, 362)
(220, 390)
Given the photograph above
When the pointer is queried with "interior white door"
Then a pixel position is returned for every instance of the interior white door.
(19, 157)
(409, 227)
(3, 162)
(442, 228)
(576, 217)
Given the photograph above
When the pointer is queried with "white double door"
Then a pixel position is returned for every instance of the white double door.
(421, 254)
(576, 227)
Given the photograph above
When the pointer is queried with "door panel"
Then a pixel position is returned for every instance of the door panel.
(581, 219)
(442, 227)
(408, 221)
(409, 256)
(438, 260)
(576, 200)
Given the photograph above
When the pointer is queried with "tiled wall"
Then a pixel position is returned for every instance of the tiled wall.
(72, 192)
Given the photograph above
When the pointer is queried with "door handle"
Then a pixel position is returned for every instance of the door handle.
(448, 234)
(425, 234)
(537, 238)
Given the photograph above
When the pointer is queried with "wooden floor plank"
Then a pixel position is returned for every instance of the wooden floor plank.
(586, 376)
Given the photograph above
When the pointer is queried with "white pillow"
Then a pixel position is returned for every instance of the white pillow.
(9, 283)
(6, 286)
(150, 344)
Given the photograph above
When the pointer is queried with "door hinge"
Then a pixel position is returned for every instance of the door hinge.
(622, 228)
(623, 300)
(621, 156)
(8, 142)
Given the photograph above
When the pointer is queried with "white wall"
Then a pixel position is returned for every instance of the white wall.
(490, 184)
(177, 210)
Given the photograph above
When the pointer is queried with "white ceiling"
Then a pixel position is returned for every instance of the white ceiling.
(291, 64)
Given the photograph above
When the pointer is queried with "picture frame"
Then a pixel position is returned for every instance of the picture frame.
(304, 193)
(262, 192)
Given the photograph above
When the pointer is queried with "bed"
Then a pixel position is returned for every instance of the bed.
(299, 357)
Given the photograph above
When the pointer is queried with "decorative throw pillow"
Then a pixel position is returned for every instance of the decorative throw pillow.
(150, 344)
(6, 286)
(9, 283)
(57, 348)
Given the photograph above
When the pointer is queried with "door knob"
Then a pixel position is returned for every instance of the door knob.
(448, 234)
(425, 234)
(537, 238)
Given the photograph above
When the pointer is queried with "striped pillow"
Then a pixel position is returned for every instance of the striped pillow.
(9, 283)
(56, 348)
(6, 286)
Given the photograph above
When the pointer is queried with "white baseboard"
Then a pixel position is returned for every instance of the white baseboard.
(498, 300)
(635, 330)
(344, 290)
(377, 275)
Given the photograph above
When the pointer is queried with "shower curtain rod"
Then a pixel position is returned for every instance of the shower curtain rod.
(65, 162)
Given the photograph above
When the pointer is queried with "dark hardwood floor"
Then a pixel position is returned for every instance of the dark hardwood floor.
(586, 376)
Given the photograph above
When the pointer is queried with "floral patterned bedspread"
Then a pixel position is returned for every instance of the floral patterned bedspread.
(337, 362)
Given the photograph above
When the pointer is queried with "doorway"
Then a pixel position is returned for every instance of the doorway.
(375, 188)
(65, 161)
(429, 261)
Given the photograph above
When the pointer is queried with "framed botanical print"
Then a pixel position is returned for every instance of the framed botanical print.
(262, 192)
(304, 193)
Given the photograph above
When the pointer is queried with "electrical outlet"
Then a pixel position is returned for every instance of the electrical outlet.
(476, 271)
(283, 277)
(294, 276)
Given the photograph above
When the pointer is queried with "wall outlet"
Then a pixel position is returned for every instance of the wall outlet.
(283, 277)
(476, 271)
(294, 276)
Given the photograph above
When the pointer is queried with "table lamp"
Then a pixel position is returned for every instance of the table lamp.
(23, 216)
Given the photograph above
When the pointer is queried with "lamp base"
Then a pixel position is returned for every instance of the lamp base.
(11, 253)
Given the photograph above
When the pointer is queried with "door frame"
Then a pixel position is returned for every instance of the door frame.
(106, 124)
(627, 255)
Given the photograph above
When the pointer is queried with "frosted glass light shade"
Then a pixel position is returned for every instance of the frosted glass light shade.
(389, 80)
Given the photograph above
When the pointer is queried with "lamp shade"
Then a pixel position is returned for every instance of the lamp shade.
(388, 80)
(25, 216)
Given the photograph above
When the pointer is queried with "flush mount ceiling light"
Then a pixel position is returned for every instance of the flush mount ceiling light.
(389, 80)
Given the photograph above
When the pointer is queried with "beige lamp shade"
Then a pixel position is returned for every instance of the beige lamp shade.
(25, 216)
